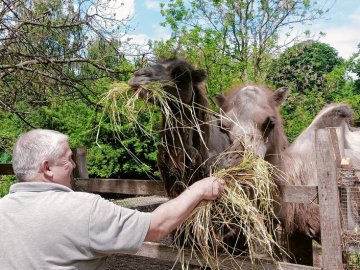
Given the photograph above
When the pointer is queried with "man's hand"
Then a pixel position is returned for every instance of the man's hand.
(167, 216)
(208, 188)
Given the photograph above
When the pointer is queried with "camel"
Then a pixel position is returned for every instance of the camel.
(184, 155)
(297, 161)
(251, 116)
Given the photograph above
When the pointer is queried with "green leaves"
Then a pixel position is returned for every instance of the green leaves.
(304, 66)
(317, 76)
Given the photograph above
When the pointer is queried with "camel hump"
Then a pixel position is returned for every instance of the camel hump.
(333, 116)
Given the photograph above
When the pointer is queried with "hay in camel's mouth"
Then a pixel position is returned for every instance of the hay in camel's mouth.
(123, 105)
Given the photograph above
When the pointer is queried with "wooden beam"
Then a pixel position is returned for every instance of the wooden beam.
(293, 194)
(122, 186)
(165, 253)
(337, 144)
(6, 169)
(80, 170)
(299, 194)
(328, 201)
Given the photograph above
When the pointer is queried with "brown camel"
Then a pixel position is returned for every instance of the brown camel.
(184, 153)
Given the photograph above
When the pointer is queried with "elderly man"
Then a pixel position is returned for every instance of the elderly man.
(45, 225)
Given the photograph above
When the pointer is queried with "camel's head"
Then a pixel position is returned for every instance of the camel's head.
(178, 76)
(251, 115)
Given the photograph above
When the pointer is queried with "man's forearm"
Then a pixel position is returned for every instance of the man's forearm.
(169, 215)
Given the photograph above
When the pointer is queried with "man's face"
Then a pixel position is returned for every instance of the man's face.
(62, 169)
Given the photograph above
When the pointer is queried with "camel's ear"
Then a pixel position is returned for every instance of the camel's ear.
(220, 100)
(198, 75)
(280, 95)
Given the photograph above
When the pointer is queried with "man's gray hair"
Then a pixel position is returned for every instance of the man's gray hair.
(32, 148)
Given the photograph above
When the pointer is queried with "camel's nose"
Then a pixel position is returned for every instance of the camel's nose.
(144, 72)
(142, 76)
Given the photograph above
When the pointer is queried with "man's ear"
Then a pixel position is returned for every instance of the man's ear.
(45, 168)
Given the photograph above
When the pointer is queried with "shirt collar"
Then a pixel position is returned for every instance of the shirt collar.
(38, 187)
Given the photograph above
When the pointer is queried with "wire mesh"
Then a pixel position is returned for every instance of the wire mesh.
(349, 184)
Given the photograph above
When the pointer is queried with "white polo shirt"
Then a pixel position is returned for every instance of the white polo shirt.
(49, 226)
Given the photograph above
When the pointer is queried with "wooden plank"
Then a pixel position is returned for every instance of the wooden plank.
(328, 201)
(6, 169)
(293, 194)
(80, 170)
(299, 194)
(162, 252)
(336, 146)
(141, 202)
(340, 132)
(122, 186)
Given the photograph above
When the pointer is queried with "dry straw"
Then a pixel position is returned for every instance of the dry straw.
(245, 208)
(122, 104)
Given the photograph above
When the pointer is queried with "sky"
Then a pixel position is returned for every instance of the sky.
(341, 25)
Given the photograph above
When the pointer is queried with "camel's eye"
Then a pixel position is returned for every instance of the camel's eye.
(268, 125)
(180, 74)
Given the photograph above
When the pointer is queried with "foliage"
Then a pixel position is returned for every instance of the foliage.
(299, 110)
(5, 183)
(232, 40)
(107, 157)
(355, 68)
(45, 52)
(304, 66)
(4, 157)
(124, 153)
(316, 76)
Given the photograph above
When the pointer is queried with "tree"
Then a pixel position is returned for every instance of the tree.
(45, 51)
(304, 66)
(355, 68)
(58, 59)
(316, 76)
(234, 36)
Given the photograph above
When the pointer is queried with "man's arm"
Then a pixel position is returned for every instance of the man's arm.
(168, 216)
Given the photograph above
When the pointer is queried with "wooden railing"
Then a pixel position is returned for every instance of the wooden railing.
(6, 169)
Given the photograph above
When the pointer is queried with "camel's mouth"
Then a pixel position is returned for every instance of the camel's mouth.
(138, 81)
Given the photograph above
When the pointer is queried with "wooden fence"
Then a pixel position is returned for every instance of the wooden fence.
(329, 149)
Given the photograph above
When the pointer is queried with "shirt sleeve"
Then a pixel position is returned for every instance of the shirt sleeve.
(115, 229)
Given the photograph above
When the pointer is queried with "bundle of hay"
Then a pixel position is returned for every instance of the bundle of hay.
(123, 106)
(244, 208)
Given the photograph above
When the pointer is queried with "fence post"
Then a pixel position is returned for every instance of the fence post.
(328, 201)
(80, 159)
